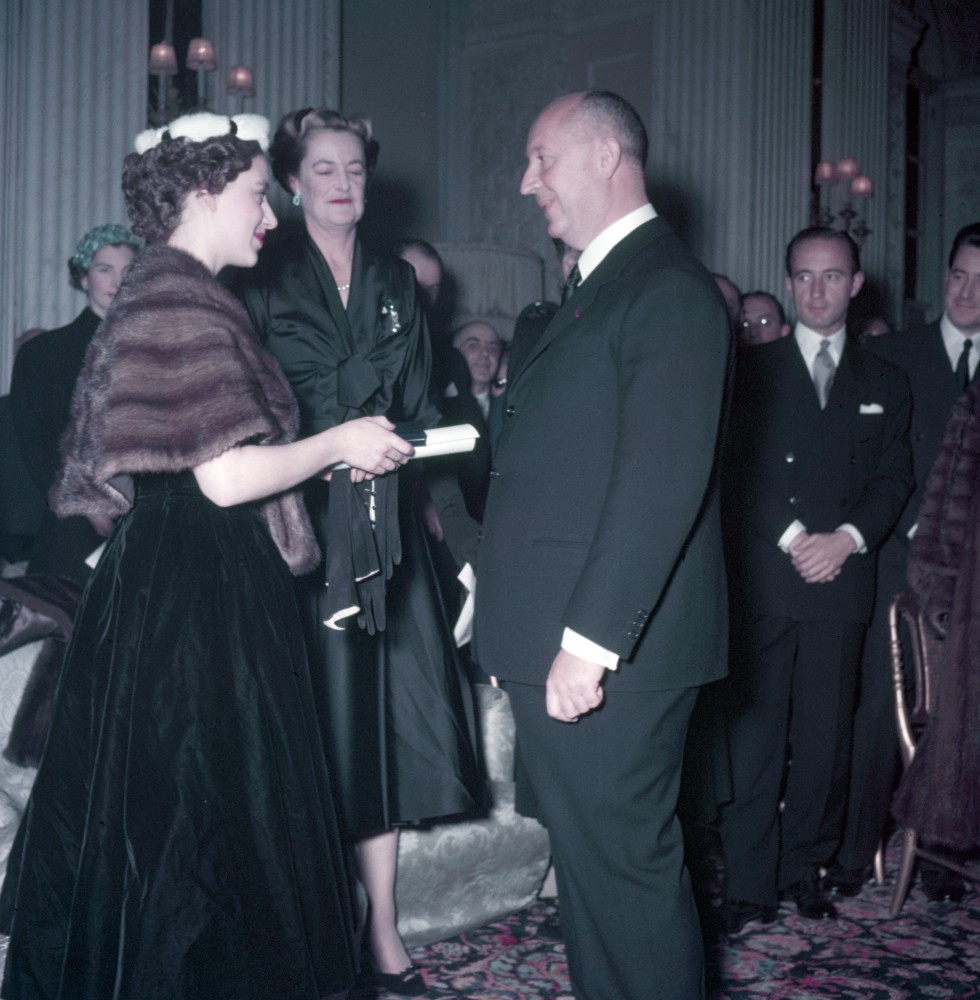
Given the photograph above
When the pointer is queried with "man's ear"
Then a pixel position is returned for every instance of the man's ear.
(610, 155)
(856, 282)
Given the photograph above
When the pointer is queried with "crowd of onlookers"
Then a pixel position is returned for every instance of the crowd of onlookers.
(824, 473)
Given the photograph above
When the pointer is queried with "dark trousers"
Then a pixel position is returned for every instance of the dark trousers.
(606, 787)
(791, 683)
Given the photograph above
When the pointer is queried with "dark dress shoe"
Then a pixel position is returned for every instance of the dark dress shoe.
(940, 884)
(810, 899)
(735, 914)
(408, 983)
(845, 881)
(550, 928)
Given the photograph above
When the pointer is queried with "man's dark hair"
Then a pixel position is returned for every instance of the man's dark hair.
(968, 236)
(823, 233)
(605, 111)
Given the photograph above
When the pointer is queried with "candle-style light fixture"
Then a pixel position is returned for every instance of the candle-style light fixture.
(844, 175)
(242, 83)
(200, 56)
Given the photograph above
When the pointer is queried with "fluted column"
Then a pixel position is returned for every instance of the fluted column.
(855, 111)
(72, 97)
(781, 123)
(292, 48)
(700, 124)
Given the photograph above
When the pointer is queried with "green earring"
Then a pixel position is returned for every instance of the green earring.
(296, 199)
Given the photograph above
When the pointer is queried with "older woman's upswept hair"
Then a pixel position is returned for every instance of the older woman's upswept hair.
(293, 135)
(157, 182)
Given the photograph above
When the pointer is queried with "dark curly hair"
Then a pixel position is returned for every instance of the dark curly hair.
(293, 135)
(156, 183)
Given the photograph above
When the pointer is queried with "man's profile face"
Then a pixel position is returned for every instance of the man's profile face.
(561, 175)
(821, 284)
(962, 299)
(760, 321)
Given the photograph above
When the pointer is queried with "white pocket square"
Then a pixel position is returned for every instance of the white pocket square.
(871, 408)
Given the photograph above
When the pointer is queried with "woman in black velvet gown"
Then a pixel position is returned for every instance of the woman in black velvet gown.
(180, 842)
(346, 325)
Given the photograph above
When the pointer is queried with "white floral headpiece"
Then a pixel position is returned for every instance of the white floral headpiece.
(204, 125)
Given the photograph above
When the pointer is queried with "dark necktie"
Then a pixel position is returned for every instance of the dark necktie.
(963, 366)
(823, 372)
(572, 282)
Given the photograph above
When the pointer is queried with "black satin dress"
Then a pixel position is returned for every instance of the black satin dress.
(181, 842)
(395, 708)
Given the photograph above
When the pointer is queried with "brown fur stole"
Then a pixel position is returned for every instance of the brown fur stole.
(174, 377)
(939, 795)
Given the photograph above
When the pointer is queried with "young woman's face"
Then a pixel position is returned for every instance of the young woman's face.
(245, 216)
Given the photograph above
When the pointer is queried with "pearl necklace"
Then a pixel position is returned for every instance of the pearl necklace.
(343, 288)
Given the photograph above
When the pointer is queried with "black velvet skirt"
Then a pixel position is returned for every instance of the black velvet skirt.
(181, 839)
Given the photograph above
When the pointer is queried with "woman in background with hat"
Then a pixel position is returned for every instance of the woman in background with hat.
(40, 395)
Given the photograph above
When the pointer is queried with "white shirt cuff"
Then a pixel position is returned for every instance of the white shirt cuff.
(572, 642)
(862, 548)
(786, 538)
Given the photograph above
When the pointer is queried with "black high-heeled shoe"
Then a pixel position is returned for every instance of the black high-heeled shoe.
(408, 983)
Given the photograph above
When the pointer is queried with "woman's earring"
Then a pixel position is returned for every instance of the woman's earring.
(296, 199)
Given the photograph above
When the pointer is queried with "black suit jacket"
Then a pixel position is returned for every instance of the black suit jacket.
(603, 511)
(786, 459)
(41, 389)
(921, 354)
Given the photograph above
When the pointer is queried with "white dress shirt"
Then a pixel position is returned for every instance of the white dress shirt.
(953, 338)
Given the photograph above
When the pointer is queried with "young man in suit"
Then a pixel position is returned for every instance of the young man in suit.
(817, 470)
(601, 597)
(940, 360)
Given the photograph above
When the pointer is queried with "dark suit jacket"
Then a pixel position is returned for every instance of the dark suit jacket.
(472, 468)
(786, 459)
(922, 356)
(603, 511)
(41, 388)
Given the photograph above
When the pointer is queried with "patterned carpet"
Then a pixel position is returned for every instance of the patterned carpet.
(931, 950)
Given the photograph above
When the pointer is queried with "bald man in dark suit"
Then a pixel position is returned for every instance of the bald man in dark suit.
(601, 597)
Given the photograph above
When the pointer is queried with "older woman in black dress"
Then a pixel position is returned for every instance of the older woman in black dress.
(181, 842)
(348, 329)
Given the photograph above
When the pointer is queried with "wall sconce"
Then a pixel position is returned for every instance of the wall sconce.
(242, 83)
(846, 175)
(200, 56)
(163, 63)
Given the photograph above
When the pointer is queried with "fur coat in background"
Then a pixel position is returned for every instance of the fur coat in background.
(939, 795)
(175, 377)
